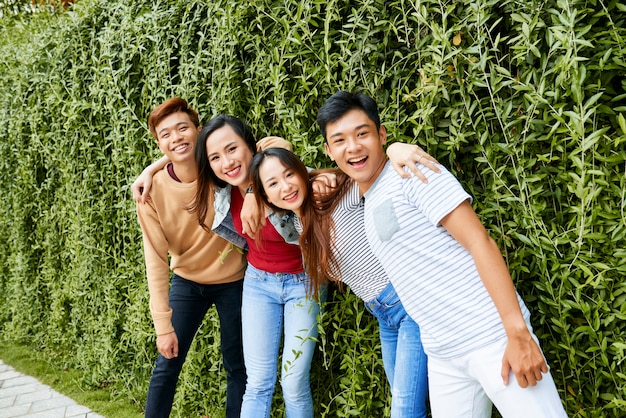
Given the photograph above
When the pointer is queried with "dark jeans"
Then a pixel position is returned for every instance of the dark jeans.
(190, 302)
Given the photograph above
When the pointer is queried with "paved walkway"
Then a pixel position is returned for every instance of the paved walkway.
(23, 396)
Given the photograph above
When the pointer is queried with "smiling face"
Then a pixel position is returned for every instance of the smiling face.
(229, 156)
(176, 136)
(355, 144)
(283, 186)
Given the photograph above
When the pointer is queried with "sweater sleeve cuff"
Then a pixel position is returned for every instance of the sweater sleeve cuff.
(163, 322)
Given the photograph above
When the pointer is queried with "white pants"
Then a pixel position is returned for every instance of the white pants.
(467, 386)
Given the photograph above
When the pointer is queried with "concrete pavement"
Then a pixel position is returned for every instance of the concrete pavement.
(24, 396)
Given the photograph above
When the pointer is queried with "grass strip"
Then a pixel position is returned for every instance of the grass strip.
(66, 381)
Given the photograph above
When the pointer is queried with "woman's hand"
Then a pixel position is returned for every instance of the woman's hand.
(324, 183)
(408, 155)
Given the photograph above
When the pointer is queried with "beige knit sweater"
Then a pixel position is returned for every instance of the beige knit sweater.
(195, 254)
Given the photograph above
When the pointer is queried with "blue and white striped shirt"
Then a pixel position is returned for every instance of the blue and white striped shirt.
(434, 276)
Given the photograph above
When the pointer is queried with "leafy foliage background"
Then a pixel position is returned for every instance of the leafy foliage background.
(524, 101)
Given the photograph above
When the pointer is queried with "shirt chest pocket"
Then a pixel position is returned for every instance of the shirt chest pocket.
(385, 220)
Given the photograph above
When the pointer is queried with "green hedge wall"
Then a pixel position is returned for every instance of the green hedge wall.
(524, 101)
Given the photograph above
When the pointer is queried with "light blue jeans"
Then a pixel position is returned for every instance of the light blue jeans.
(275, 307)
(401, 345)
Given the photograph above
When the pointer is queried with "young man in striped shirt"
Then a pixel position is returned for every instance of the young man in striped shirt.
(448, 272)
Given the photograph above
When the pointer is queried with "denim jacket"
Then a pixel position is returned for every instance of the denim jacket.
(224, 227)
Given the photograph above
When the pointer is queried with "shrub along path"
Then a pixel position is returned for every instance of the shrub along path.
(25, 396)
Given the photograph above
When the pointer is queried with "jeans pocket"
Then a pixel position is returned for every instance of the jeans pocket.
(389, 298)
(391, 304)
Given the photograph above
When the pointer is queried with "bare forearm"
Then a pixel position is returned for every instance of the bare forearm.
(466, 228)
(495, 275)
(157, 165)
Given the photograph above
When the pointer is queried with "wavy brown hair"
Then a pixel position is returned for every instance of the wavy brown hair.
(318, 235)
(316, 239)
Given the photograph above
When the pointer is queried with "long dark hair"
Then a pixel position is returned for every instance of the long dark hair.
(316, 239)
(208, 182)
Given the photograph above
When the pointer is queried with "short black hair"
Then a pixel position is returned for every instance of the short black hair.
(341, 103)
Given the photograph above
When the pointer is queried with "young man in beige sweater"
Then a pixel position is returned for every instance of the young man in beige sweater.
(206, 268)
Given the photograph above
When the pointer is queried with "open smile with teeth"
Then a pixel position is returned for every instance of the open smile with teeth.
(233, 172)
(291, 196)
(181, 147)
(357, 160)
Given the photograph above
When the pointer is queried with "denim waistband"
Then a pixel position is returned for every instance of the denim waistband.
(259, 274)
